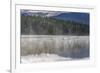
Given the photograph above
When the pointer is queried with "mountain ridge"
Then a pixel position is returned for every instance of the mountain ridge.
(66, 16)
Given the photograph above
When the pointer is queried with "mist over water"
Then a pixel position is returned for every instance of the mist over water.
(66, 46)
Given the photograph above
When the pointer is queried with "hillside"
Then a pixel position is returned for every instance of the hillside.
(41, 25)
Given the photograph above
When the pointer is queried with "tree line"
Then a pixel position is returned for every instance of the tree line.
(39, 25)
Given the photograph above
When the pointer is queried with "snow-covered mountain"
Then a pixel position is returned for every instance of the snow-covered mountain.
(40, 13)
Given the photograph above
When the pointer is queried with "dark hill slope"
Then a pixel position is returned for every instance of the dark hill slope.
(37, 25)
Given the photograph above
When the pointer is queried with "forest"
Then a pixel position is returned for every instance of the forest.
(39, 25)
